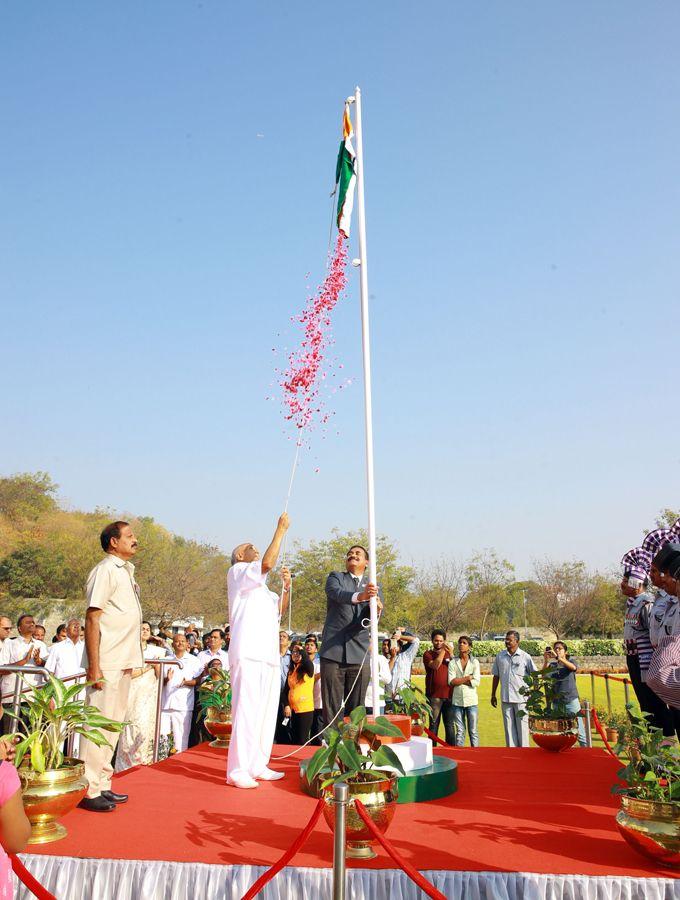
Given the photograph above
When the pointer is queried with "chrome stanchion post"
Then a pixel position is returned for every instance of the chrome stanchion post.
(586, 722)
(159, 700)
(609, 696)
(71, 742)
(592, 686)
(340, 798)
(626, 687)
(16, 702)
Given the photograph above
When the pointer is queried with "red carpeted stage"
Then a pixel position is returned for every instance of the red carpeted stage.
(523, 823)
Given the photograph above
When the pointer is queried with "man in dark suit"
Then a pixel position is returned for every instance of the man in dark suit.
(344, 641)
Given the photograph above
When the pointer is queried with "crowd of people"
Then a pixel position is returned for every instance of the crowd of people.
(291, 691)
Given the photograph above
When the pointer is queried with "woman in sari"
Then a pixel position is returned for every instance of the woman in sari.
(135, 746)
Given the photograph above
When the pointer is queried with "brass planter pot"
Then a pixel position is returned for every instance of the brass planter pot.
(554, 735)
(380, 800)
(50, 796)
(652, 828)
(218, 724)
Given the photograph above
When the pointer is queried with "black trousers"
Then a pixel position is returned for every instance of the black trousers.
(442, 707)
(283, 733)
(301, 726)
(336, 684)
(662, 716)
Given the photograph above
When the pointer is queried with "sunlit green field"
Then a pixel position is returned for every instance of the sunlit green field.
(490, 720)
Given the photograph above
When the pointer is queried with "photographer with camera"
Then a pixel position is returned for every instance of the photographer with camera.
(563, 670)
(403, 650)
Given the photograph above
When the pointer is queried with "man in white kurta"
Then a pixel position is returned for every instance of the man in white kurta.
(65, 659)
(254, 660)
(178, 693)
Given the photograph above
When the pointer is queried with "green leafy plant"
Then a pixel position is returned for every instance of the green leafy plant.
(53, 714)
(619, 721)
(411, 701)
(540, 690)
(653, 770)
(215, 692)
(343, 759)
(577, 647)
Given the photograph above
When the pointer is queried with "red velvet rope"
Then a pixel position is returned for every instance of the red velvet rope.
(609, 677)
(602, 734)
(436, 739)
(426, 886)
(297, 844)
(28, 880)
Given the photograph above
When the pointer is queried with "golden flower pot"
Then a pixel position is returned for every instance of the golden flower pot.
(554, 735)
(50, 796)
(380, 800)
(218, 724)
(652, 828)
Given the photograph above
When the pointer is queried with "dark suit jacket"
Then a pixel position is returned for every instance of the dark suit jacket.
(344, 639)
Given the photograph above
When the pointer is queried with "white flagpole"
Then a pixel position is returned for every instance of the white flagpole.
(368, 411)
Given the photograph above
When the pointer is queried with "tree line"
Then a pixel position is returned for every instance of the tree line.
(46, 552)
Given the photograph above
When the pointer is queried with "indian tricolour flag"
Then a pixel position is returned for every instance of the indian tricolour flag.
(345, 175)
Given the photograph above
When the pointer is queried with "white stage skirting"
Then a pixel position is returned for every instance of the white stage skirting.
(69, 878)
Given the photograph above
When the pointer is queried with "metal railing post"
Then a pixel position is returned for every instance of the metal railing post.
(159, 699)
(71, 742)
(626, 690)
(340, 798)
(586, 723)
(609, 696)
(592, 686)
(18, 690)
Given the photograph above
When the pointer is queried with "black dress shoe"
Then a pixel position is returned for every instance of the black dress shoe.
(114, 798)
(97, 804)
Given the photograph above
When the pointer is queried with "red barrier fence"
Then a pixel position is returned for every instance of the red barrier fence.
(433, 737)
(28, 880)
(602, 734)
(426, 886)
(283, 860)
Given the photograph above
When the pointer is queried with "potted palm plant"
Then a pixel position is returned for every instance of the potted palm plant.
(51, 783)
(369, 770)
(412, 702)
(550, 725)
(649, 818)
(214, 696)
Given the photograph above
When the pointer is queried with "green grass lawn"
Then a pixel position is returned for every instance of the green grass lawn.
(490, 720)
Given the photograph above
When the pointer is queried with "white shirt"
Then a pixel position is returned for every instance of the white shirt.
(205, 656)
(510, 670)
(318, 704)
(4, 649)
(17, 651)
(153, 651)
(384, 677)
(174, 696)
(253, 615)
(66, 658)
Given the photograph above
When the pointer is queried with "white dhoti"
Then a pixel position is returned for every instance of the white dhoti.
(178, 723)
(255, 688)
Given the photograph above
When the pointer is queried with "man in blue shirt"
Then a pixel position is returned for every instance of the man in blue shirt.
(509, 668)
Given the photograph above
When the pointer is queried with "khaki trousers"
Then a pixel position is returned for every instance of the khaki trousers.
(111, 701)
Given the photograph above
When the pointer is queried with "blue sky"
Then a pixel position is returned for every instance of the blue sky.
(165, 171)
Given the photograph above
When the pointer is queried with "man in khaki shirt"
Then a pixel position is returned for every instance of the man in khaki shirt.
(112, 650)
